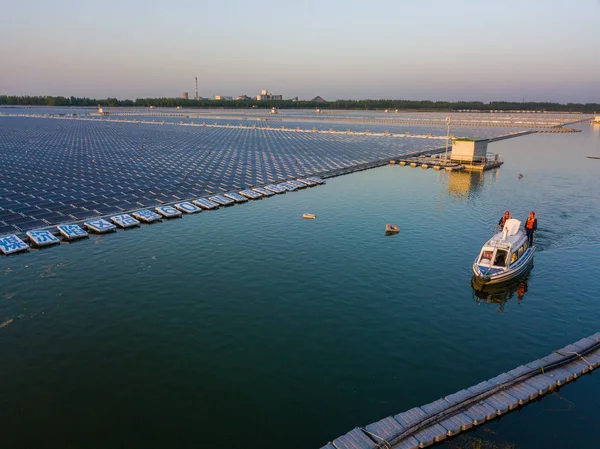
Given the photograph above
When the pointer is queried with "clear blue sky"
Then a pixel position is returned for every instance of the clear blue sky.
(542, 50)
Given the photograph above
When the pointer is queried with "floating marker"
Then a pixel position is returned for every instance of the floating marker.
(236, 197)
(145, 215)
(168, 211)
(72, 231)
(205, 203)
(42, 238)
(100, 226)
(222, 200)
(187, 208)
(12, 244)
(124, 221)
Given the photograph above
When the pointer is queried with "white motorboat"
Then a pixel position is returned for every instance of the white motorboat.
(505, 256)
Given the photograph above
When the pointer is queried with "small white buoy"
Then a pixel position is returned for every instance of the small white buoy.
(309, 216)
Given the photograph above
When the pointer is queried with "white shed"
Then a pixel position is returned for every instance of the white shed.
(469, 150)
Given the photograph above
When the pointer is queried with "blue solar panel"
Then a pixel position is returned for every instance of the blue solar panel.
(92, 165)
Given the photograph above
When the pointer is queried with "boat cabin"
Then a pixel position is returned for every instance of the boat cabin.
(504, 249)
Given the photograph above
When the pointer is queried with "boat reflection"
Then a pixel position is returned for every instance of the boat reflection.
(500, 294)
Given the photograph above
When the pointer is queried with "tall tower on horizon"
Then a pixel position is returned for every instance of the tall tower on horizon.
(197, 89)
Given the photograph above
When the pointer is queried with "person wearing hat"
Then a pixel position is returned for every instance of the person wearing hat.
(503, 219)
(531, 227)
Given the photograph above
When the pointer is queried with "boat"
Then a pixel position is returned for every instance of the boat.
(505, 256)
(309, 216)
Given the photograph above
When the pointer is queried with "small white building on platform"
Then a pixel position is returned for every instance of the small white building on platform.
(469, 150)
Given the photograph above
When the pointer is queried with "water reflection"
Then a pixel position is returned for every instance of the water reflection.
(464, 184)
(500, 294)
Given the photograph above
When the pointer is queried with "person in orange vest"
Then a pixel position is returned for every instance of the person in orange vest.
(505, 217)
(531, 227)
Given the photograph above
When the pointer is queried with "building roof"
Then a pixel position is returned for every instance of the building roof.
(467, 139)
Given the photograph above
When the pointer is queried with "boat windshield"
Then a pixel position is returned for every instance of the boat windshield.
(500, 259)
(486, 257)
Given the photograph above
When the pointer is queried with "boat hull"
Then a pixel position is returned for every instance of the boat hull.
(518, 269)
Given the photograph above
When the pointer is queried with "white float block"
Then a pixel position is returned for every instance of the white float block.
(205, 203)
(100, 225)
(145, 215)
(187, 208)
(124, 221)
(42, 238)
(72, 231)
(12, 244)
(168, 211)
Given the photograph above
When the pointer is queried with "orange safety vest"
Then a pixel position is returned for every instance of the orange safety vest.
(530, 222)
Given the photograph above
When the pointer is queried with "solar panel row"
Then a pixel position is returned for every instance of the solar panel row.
(59, 171)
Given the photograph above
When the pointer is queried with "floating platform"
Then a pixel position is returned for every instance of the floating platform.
(297, 184)
(263, 191)
(287, 186)
(439, 163)
(168, 211)
(100, 226)
(308, 182)
(42, 238)
(11, 244)
(187, 208)
(236, 197)
(316, 180)
(222, 200)
(146, 216)
(72, 231)
(251, 194)
(275, 188)
(423, 426)
(483, 167)
(205, 203)
(124, 221)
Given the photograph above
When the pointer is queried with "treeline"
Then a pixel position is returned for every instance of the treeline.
(390, 105)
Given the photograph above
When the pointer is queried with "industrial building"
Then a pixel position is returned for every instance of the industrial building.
(184, 95)
(265, 95)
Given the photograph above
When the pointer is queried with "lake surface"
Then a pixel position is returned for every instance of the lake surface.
(250, 327)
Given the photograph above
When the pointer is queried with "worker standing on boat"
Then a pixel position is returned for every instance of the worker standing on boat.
(505, 217)
(531, 227)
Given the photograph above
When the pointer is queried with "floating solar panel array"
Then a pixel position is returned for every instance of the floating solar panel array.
(10, 244)
(63, 171)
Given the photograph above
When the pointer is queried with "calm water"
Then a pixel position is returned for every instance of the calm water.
(250, 327)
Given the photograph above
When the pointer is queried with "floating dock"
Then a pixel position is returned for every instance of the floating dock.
(423, 426)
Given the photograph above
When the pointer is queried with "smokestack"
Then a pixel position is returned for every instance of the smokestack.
(197, 89)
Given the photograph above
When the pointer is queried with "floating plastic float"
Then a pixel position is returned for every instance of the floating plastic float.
(12, 244)
(72, 231)
(42, 238)
(392, 229)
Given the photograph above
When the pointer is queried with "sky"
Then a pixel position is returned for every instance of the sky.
(537, 50)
